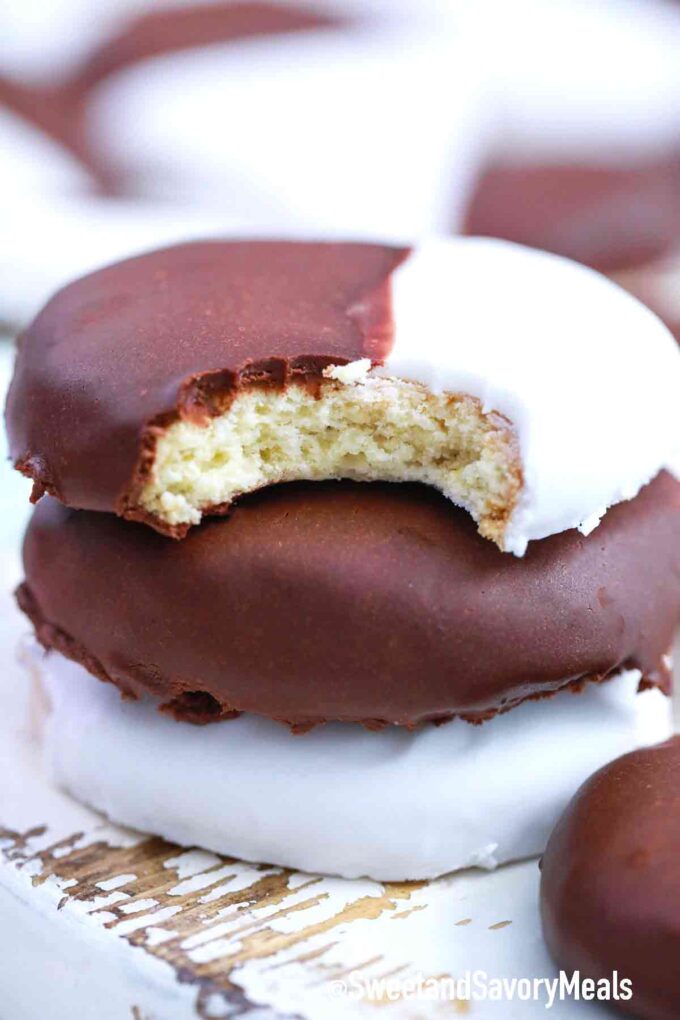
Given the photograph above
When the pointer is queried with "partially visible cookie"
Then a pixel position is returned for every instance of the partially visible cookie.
(610, 885)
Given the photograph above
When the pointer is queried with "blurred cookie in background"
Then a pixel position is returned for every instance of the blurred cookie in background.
(658, 285)
(34, 160)
(333, 119)
(361, 123)
(586, 160)
(63, 209)
(44, 45)
(50, 75)
(553, 125)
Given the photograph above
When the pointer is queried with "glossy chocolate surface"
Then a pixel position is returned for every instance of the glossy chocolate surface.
(371, 602)
(610, 885)
(608, 218)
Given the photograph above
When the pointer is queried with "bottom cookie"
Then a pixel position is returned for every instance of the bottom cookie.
(391, 805)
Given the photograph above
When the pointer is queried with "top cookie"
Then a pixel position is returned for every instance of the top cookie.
(528, 389)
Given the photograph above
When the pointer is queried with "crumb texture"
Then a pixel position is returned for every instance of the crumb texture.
(374, 429)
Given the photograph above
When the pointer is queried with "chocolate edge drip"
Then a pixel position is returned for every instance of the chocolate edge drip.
(201, 708)
(198, 395)
(307, 553)
(210, 394)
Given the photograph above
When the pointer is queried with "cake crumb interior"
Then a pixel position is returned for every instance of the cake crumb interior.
(373, 428)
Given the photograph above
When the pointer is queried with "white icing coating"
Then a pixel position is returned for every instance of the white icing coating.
(598, 79)
(341, 800)
(588, 375)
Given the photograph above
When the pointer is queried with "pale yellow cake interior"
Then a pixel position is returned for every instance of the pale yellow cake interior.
(367, 428)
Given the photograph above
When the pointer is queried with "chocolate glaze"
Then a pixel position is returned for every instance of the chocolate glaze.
(168, 29)
(175, 333)
(610, 884)
(607, 218)
(371, 602)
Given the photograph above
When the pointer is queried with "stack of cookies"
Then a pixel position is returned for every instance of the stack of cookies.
(396, 524)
